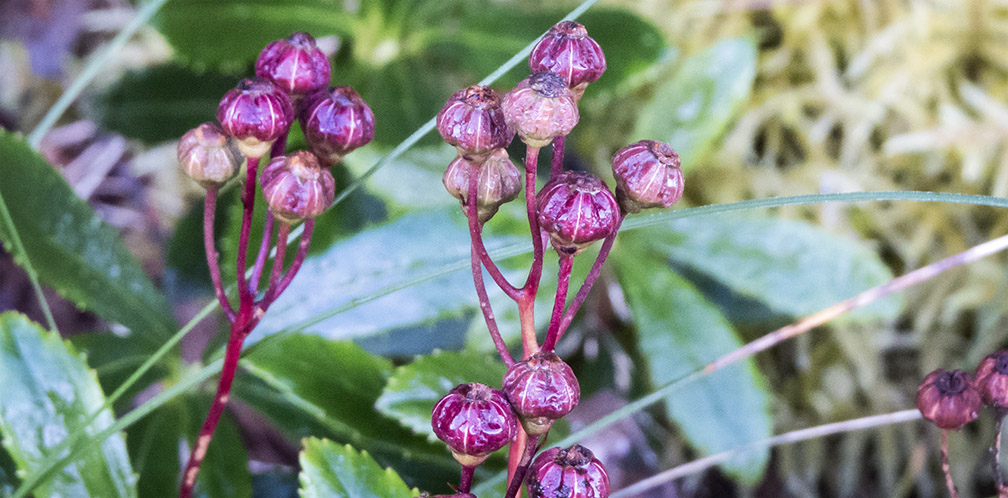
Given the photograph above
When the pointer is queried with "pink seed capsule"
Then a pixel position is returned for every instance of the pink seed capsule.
(296, 187)
(295, 65)
(567, 50)
(472, 121)
(576, 209)
(474, 420)
(541, 389)
(255, 113)
(335, 122)
(949, 399)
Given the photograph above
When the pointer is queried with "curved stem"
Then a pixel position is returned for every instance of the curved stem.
(278, 261)
(248, 205)
(260, 261)
(563, 282)
(209, 208)
(309, 227)
(532, 283)
(239, 330)
(476, 238)
(589, 281)
(945, 465)
(472, 216)
(999, 479)
(556, 167)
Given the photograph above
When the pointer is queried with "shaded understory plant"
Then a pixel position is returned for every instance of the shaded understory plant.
(322, 461)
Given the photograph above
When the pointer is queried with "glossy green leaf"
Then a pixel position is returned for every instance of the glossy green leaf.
(49, 393)
(309, 385)
(329, 470)
(690, 109)
(147, 440)
(413, 389)
(678, 332)
(230, 33)
(72, 250)
(630, 43)
(409, 247)
(161, 103)
(791, 267)
(412, 181)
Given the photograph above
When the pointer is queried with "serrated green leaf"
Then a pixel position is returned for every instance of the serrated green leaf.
(49, 393)
(413, 389)
(309, 386)
(791, 267)
(329, 470)
(679, 331)
(230, 33)
(374, 259)
(690, 110)
(161, 103)
(72, 250)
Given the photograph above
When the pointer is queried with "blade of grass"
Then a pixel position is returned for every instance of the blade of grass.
(25, 261)
(701, 464)
(93, 68)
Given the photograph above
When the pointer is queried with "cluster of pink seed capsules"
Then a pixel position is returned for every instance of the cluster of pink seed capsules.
(291, 83)
(574, 209)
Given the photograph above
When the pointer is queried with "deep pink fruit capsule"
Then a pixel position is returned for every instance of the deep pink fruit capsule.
(992, 380)
(948, 398)
(499, 181)
(576, 209)
(472, 121)
(296, 187)
(207, 156)
(648, 174)
(335, 122)
(567, 50)
(541, 389)
(474, 420)
(540, 108)
(256, 113)
(567, 473)
(294, 64)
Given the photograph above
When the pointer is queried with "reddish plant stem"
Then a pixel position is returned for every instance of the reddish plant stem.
(278, 261)
(556, 167)
(309, 226)
(531, 446)
(260, 261)
(535, 274)
(589, 281)
(472, 216)
(476, 237)
(563, 282)
(240, 328)
(945, 465)
(526, 301)
(248, 205)
(209, 209)
(465, 483)
(999, 480)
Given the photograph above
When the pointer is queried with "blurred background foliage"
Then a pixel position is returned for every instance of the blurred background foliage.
(762, 98)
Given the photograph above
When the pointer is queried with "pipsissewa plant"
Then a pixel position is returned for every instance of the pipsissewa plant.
(292, 76)
(572, 210)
